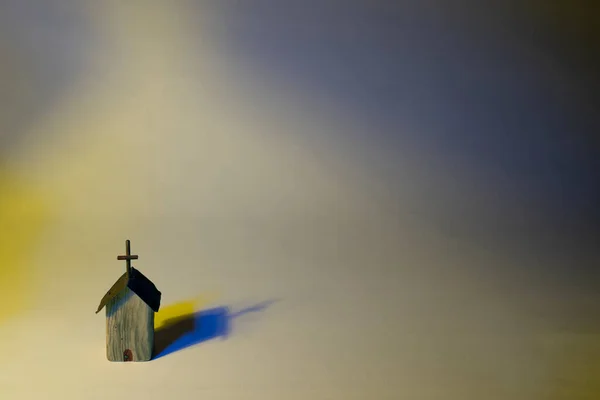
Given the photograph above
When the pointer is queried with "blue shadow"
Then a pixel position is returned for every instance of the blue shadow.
(189, 330)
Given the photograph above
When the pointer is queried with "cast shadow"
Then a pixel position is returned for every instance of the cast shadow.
(188, 330)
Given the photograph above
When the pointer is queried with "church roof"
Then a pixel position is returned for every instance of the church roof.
(138, 284)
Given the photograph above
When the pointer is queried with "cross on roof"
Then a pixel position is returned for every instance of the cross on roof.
(128, 257)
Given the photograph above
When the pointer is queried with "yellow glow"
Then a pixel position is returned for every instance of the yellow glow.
(22, 214)
(179, 309)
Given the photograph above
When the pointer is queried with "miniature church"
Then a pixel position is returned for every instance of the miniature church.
(130, 306)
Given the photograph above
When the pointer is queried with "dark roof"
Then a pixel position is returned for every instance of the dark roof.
(138, 284)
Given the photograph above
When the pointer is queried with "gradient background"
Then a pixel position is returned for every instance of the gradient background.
(415, 182)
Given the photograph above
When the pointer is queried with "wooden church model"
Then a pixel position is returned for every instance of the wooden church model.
(130, 306)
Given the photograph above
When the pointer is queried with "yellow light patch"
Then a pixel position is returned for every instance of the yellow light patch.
(22, 214)
(177, 310)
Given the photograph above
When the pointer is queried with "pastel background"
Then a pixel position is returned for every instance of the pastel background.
(357, 199)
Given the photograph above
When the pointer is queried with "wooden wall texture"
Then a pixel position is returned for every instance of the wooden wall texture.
(129, 326)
